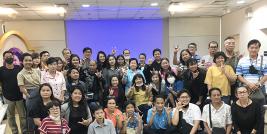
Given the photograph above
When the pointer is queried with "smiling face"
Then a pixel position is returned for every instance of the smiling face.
(184, 99)
(27, 62)
(111, 105)
(46, 92)
(76, 95)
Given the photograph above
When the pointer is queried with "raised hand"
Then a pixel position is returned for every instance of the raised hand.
(84, 122)
(168, 109)
(179, 105)
(98, 74)
(176, 50)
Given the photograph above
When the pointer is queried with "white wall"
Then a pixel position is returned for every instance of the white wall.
(201, 31)
(42, 35)
(236, 23)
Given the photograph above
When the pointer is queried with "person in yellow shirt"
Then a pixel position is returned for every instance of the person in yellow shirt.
(221, 76)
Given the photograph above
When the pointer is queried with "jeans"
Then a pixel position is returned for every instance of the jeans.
(29, 104)
(19, 105)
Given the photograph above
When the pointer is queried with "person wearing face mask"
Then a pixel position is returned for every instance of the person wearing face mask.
(141, 94)
(186, 116)
(54, 124)
(133, 123)
(11, 92)
(173, 85)
(221, 76)
(193, 79)
(127, 57)
(77, 112)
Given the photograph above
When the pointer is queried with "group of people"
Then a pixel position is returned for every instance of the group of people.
(220, 93)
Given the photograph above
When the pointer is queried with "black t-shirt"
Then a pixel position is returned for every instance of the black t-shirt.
(8, 78)
(38, 110)
(76, 115)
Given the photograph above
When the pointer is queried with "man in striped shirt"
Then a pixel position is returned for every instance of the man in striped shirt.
(252, 72)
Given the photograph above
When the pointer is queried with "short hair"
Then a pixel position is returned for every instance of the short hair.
(96, 107)
(254, 41)
(240, 88)
(229, 37)
(65, 50)
(142, 54)
(25, 55)
(87, 48)
(217, 54)
(54, 102)
(128, 103)
(214, 89)
(43, 52)
(193, 44)
(125, 50)
(191, 61)
(213, 42)
(183, 91)
(159, 96)
(51, 60)
(134, 59)
(7, 52)
(156, 50)
(35, 55)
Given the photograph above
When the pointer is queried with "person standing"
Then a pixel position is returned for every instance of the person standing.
(11, 92)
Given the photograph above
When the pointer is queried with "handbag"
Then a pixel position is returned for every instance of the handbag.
(215, 130)
(258, 94)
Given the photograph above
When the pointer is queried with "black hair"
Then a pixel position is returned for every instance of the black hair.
(82, 103)
(214, 89)
(48, 85)
(165, 58)
(191, 61)
(35, 55)
(111, 98)
(43, 52)
(51, 60)
(87, 48)
(134, 59)
(138, 75)
(156, 50)
(142, 54)
(218, 54)
(213, 42)
(25, 55)
(107, 61)
(112, 76)
(54, 102)
(128, 103)
(170, 73)
(69, 79)
(240, 88)
(181, 59)
(159, 96)
(183, 91)
(192, 44)
(121, 56)
(254, 41)
(7, 52)
(96, 108)
(71, 57)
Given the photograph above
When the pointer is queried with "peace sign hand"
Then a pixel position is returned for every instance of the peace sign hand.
(84, 122)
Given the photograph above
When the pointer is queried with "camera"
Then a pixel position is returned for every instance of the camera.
(90, 96)
(253, 70)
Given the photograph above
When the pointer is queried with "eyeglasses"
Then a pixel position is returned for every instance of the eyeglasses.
(184, 97)
(214, 47)
(54, 109)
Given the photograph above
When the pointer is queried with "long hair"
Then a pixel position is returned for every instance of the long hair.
(82, 103)
(48, 85)
(181, 59)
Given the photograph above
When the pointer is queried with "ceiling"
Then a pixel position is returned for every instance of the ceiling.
(117, 9)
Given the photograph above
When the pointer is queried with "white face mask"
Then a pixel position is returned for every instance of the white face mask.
(139, 85)
(54, 118)
(171, 80)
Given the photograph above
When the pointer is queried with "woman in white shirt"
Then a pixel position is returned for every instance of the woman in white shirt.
(55, 79)
(220, 114)
(186, 115)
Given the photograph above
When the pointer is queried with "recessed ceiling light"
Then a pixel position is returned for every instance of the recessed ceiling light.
(85, 5)
(240, 2)
(154, 4)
